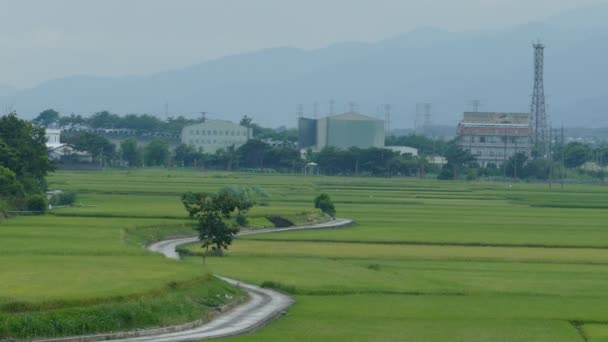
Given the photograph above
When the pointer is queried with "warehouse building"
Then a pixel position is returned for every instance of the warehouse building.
(493, 138)
(212, 135)
(342, 131)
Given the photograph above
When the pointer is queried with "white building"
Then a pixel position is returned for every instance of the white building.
(213, 135)
(53, 138)
(403, 150)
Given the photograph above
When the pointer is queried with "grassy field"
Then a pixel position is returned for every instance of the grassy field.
(427, 260)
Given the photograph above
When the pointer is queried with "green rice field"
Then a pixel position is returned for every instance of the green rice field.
(426, 260)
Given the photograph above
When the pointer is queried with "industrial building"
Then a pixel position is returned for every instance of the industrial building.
(212, 135)
(494, 137)
(342, 131)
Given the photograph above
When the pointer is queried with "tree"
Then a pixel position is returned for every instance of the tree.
(46, 118)
(538, 168)
(104, 119)
(324, 203)
(131, 152)
(10, 187)
(515, 165)
(211, 210)
(100, 147)
(157, 153)
(71, 120)
(23, 151)
(457, 159)
(186, 155)
(576, 154)
(253, 153)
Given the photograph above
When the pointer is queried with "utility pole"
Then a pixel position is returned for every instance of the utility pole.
(563, 147)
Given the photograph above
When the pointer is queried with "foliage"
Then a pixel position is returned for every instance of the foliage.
(23, 151)
(10, 187)
(131, 153)
(515, 165)
(135, 122)
(186, 156)
(175, 303)
(211, 209)
(46, 118)
(323, 202)
(457, 159)
(101, 148)
(37, 203)
(63, 198)
(576, 154)
(157, 153)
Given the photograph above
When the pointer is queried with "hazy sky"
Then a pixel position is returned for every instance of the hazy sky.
(46, 39)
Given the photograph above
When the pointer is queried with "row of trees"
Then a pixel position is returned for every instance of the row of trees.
(23, 163)
(460, 163)
(107, 120)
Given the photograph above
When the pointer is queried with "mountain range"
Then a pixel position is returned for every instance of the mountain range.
(446, 69)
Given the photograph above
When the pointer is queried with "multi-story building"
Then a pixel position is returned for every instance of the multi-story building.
(212, 135)
(342, 131)
(495, 137)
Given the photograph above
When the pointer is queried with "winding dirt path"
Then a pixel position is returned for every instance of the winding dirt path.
(263, 305)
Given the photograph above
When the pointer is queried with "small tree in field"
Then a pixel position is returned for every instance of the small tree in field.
(324, 203)
(211, 210)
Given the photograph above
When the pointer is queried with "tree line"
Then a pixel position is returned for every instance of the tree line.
(565, 160)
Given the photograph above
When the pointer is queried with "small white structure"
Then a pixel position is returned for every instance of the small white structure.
(213, 135)
(53, 138)
(65, 152)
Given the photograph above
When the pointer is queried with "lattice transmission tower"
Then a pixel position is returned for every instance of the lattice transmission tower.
(538, 106)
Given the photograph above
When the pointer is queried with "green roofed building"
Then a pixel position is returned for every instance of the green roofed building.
(342, 131)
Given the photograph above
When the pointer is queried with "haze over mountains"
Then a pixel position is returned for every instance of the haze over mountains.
(447, 69)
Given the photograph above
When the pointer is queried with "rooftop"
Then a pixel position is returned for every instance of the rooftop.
(352, 116)
(496, 118)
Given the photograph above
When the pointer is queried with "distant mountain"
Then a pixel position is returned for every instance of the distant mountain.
(7, 91)
(444, 68)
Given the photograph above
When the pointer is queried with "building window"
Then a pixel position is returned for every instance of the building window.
(482, 139)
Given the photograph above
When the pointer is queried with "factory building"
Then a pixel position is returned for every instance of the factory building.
(212, 135)
(495, 137)
(342, 131)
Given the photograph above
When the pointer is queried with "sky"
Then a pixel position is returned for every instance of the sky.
(42, 40)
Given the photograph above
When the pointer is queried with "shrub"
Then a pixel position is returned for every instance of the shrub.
(324, 203)
(37, 203)
(63, 198)
(241, 220)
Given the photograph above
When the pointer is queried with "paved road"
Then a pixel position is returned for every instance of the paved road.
(263, 305)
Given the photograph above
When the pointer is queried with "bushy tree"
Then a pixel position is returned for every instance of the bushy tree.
(131, 153)
(323, 202)
(211, 210)
(23, 151)
(37, 203)
(457, 159)
(515, 165)
(47, 118)
(10, 187)
(100, 147)
(186, 155)
(157, 153)
(576, 154)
